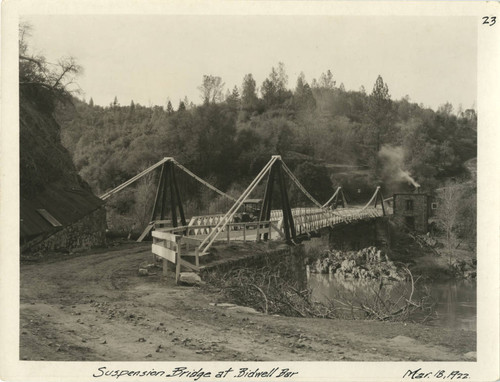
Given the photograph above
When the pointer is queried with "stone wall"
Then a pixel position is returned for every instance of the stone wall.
(88, 232)
(361, 234)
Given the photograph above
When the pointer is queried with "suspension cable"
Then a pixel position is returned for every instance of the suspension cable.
(300, 186)
(213, 188)
(132, 180)
(232, 211)
(333, 196)
(151, 168)
(372, 199)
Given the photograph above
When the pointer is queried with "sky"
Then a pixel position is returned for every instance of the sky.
(152, 59)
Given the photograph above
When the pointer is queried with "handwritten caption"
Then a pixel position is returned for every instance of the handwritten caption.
(198, 374)
(441, 374)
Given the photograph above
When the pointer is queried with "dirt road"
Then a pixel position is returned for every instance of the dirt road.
(97, 307)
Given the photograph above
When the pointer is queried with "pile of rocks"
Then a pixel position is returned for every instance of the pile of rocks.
(464, 268)
(367, 263)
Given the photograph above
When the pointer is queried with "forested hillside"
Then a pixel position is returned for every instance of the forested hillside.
(43, 159)
(350, 137)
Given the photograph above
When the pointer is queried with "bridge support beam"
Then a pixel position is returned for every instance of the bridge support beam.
(265, 213)
(339, 199)
(381, 199)
(168, 197)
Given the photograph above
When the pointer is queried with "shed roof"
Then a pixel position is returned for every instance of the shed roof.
(64, 204)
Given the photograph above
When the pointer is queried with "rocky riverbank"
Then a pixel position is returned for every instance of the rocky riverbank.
(367, 263)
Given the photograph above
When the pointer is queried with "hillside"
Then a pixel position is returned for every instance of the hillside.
(48, 178)
(43, 159)
(351, 138)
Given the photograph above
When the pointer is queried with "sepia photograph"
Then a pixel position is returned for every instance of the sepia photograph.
(227, 195)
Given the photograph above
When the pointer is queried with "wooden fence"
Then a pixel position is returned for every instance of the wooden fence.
(174, 243)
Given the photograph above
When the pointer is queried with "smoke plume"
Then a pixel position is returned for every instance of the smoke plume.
(392, 160)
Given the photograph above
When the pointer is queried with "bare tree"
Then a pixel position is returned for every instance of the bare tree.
(448, 213)
(212, 89)
(36, 72)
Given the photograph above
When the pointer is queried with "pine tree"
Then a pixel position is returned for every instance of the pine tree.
(182, 106)
(170, 109)
(303, 97)
(91, 102)
(236, 93)
(380, 110)
(249, 100)
(233, 98)
(326, 80)
(274, 91)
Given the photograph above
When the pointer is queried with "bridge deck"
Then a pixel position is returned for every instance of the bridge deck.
(249, 233)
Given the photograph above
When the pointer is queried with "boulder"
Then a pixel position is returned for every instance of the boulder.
(190, 278)
(245, 309)
(348, 265)
(470, 356)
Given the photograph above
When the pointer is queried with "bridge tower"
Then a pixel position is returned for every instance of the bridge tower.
(276, 173)
(168, 196)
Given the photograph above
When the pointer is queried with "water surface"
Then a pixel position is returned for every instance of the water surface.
(455, 300)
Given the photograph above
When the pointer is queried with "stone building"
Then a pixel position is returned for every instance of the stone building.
(412, 210)
(62, 218)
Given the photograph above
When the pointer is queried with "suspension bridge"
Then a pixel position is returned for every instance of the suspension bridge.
(183, 241)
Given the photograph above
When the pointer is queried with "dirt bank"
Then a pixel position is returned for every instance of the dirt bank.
(97, 307)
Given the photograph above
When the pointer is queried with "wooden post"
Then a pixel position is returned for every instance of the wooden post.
(178, 196)
(159, 192)
(228, 231)
(270, 228)
(257, 238)
(344, 201)
(245, 233)
(164, 195)
(265, 212)
(197, 257)
(173, 204)
(165, 267)
(178, 263)
(287, 213)
(382, 202)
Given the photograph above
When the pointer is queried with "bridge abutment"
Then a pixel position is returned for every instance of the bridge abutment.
(361, 234)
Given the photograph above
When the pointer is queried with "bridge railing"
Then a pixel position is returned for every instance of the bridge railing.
(315, 218)
(171, 248)
(200, 223)
(236, 231)
(306, 219)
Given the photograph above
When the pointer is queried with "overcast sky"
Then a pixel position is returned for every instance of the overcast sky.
(150, 59)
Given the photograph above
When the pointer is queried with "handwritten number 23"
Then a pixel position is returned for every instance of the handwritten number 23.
(489, 20)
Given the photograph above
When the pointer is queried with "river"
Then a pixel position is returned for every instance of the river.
(455, 301)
